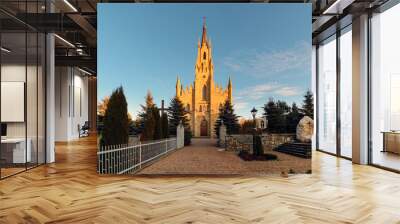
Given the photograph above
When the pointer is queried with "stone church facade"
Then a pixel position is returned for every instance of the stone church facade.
(203, 98)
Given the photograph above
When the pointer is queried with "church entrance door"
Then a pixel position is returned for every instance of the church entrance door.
(203, 128)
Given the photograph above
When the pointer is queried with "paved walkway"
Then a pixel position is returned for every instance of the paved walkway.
(203, 157)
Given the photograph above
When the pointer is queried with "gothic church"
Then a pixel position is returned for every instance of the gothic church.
(203, 98)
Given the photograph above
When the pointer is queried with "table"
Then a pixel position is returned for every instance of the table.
(13, 150)
(391, 141)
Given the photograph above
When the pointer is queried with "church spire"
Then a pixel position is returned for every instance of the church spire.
(204, 35)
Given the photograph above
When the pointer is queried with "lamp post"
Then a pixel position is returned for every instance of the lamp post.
(254, 113)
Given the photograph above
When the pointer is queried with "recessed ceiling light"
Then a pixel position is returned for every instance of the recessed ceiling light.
(5, 50)
(84, 71)
(70, 5)
(64, 40)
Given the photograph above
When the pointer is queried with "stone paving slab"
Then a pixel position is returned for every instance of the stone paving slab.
(204, 158)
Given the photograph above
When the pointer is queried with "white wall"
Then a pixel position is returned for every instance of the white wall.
(13, 73)
(71, 103)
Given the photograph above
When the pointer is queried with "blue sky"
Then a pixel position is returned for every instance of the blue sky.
(265, 48)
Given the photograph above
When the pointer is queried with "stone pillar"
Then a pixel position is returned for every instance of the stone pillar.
(222, 134)
(360, 90)
(180, 136)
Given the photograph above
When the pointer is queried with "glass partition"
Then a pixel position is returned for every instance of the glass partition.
(22, 94)
(346, 92)
(385, 89)
(13, 90)
(327, 95)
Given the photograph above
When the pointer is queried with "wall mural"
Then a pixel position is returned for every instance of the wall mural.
(219, 89)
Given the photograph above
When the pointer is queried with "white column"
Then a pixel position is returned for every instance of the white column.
(360, 90)
(50, 101)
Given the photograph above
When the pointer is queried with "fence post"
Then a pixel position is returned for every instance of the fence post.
(140, 155)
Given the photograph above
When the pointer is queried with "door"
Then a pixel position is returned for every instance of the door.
(203, 128)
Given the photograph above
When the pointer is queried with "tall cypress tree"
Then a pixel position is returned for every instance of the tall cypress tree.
(228, 116)
(308, 104)
(176, 114)
(116, 122)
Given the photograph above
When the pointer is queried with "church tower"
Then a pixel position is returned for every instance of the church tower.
(203, 98)
(203, 86)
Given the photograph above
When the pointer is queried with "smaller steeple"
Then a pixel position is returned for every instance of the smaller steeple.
(178, 86)
(230, 89)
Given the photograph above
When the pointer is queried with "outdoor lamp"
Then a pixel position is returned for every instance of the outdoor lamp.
(254, 112)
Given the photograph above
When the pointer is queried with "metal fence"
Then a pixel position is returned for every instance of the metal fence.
(123, 159)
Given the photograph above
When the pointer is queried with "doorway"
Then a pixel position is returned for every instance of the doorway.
(203, 128)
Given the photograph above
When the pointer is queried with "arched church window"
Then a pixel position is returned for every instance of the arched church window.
(201, 109)
(204, 55)
(204, 92)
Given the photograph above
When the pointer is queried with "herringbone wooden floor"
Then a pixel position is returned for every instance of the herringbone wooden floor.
(70, 191)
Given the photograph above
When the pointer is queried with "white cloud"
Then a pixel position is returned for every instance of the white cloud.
(240, 105)
(255, 92)
(288, 91)
(256, 95)
(261, 91)
(258, 63)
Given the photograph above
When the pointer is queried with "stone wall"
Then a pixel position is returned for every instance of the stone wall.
(237, 143)
(271, 141)
(245, 142)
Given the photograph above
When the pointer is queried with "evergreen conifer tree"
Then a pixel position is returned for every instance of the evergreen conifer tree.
(116, 122)
(176, 114)
(164, 125)
(228, 116)
(276, 113)
(308, 105)
(147, 119)
(157, 123)
(293, 118)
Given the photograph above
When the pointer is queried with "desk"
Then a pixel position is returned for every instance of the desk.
(391, 141)
(13, 150)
